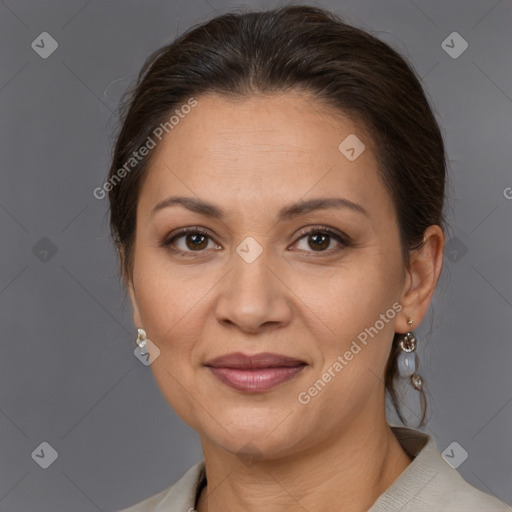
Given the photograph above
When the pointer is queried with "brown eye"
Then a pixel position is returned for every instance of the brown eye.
(196, 241)
(320, 240)
(188, 240)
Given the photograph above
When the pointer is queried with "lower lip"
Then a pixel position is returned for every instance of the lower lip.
(255, 381)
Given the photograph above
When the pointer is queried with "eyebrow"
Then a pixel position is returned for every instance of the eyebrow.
(287, 212)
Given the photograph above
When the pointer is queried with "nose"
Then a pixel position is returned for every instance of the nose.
(252, 296)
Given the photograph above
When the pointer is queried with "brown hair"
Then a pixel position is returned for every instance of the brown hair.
(293, 48)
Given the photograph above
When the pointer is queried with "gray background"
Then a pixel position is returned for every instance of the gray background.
(68, 375)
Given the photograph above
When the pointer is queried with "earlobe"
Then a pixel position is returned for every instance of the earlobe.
(422, 275)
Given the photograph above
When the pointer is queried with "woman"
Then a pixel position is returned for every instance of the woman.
(276, 198)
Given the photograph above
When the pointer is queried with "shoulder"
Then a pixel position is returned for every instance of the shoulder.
(454, 494)
(149, 504)
(430, 483)
(180, 496)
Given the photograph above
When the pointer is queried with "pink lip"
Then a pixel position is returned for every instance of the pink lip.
(256, 373)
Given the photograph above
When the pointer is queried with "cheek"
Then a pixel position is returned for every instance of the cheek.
(168, 311)
(363, 290)
(173, 307)
(360, 309)
(163, 297)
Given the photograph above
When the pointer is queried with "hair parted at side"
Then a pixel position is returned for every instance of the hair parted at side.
(293, 48)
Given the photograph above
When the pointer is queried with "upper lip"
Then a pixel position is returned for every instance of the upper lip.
(261, 360)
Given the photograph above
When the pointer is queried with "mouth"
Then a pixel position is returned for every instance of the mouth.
(254, 373)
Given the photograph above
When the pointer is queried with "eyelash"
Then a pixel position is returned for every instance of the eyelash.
(343, 240)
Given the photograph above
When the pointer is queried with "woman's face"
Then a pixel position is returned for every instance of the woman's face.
(256, 282)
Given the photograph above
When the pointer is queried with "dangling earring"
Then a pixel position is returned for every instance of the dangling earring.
(141, 341)
(408, 360)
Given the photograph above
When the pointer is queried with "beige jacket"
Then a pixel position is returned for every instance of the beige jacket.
(428, 484)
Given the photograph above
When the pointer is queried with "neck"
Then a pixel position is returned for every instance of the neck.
(348, 472)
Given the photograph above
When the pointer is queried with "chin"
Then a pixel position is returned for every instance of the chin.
(254, 432)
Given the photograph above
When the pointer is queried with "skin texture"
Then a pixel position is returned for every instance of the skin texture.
(251, 157)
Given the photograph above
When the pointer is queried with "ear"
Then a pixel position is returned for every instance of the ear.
(128, 281)
(423, 273)
(136, 314)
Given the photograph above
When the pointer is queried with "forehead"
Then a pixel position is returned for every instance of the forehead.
(262, 148)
